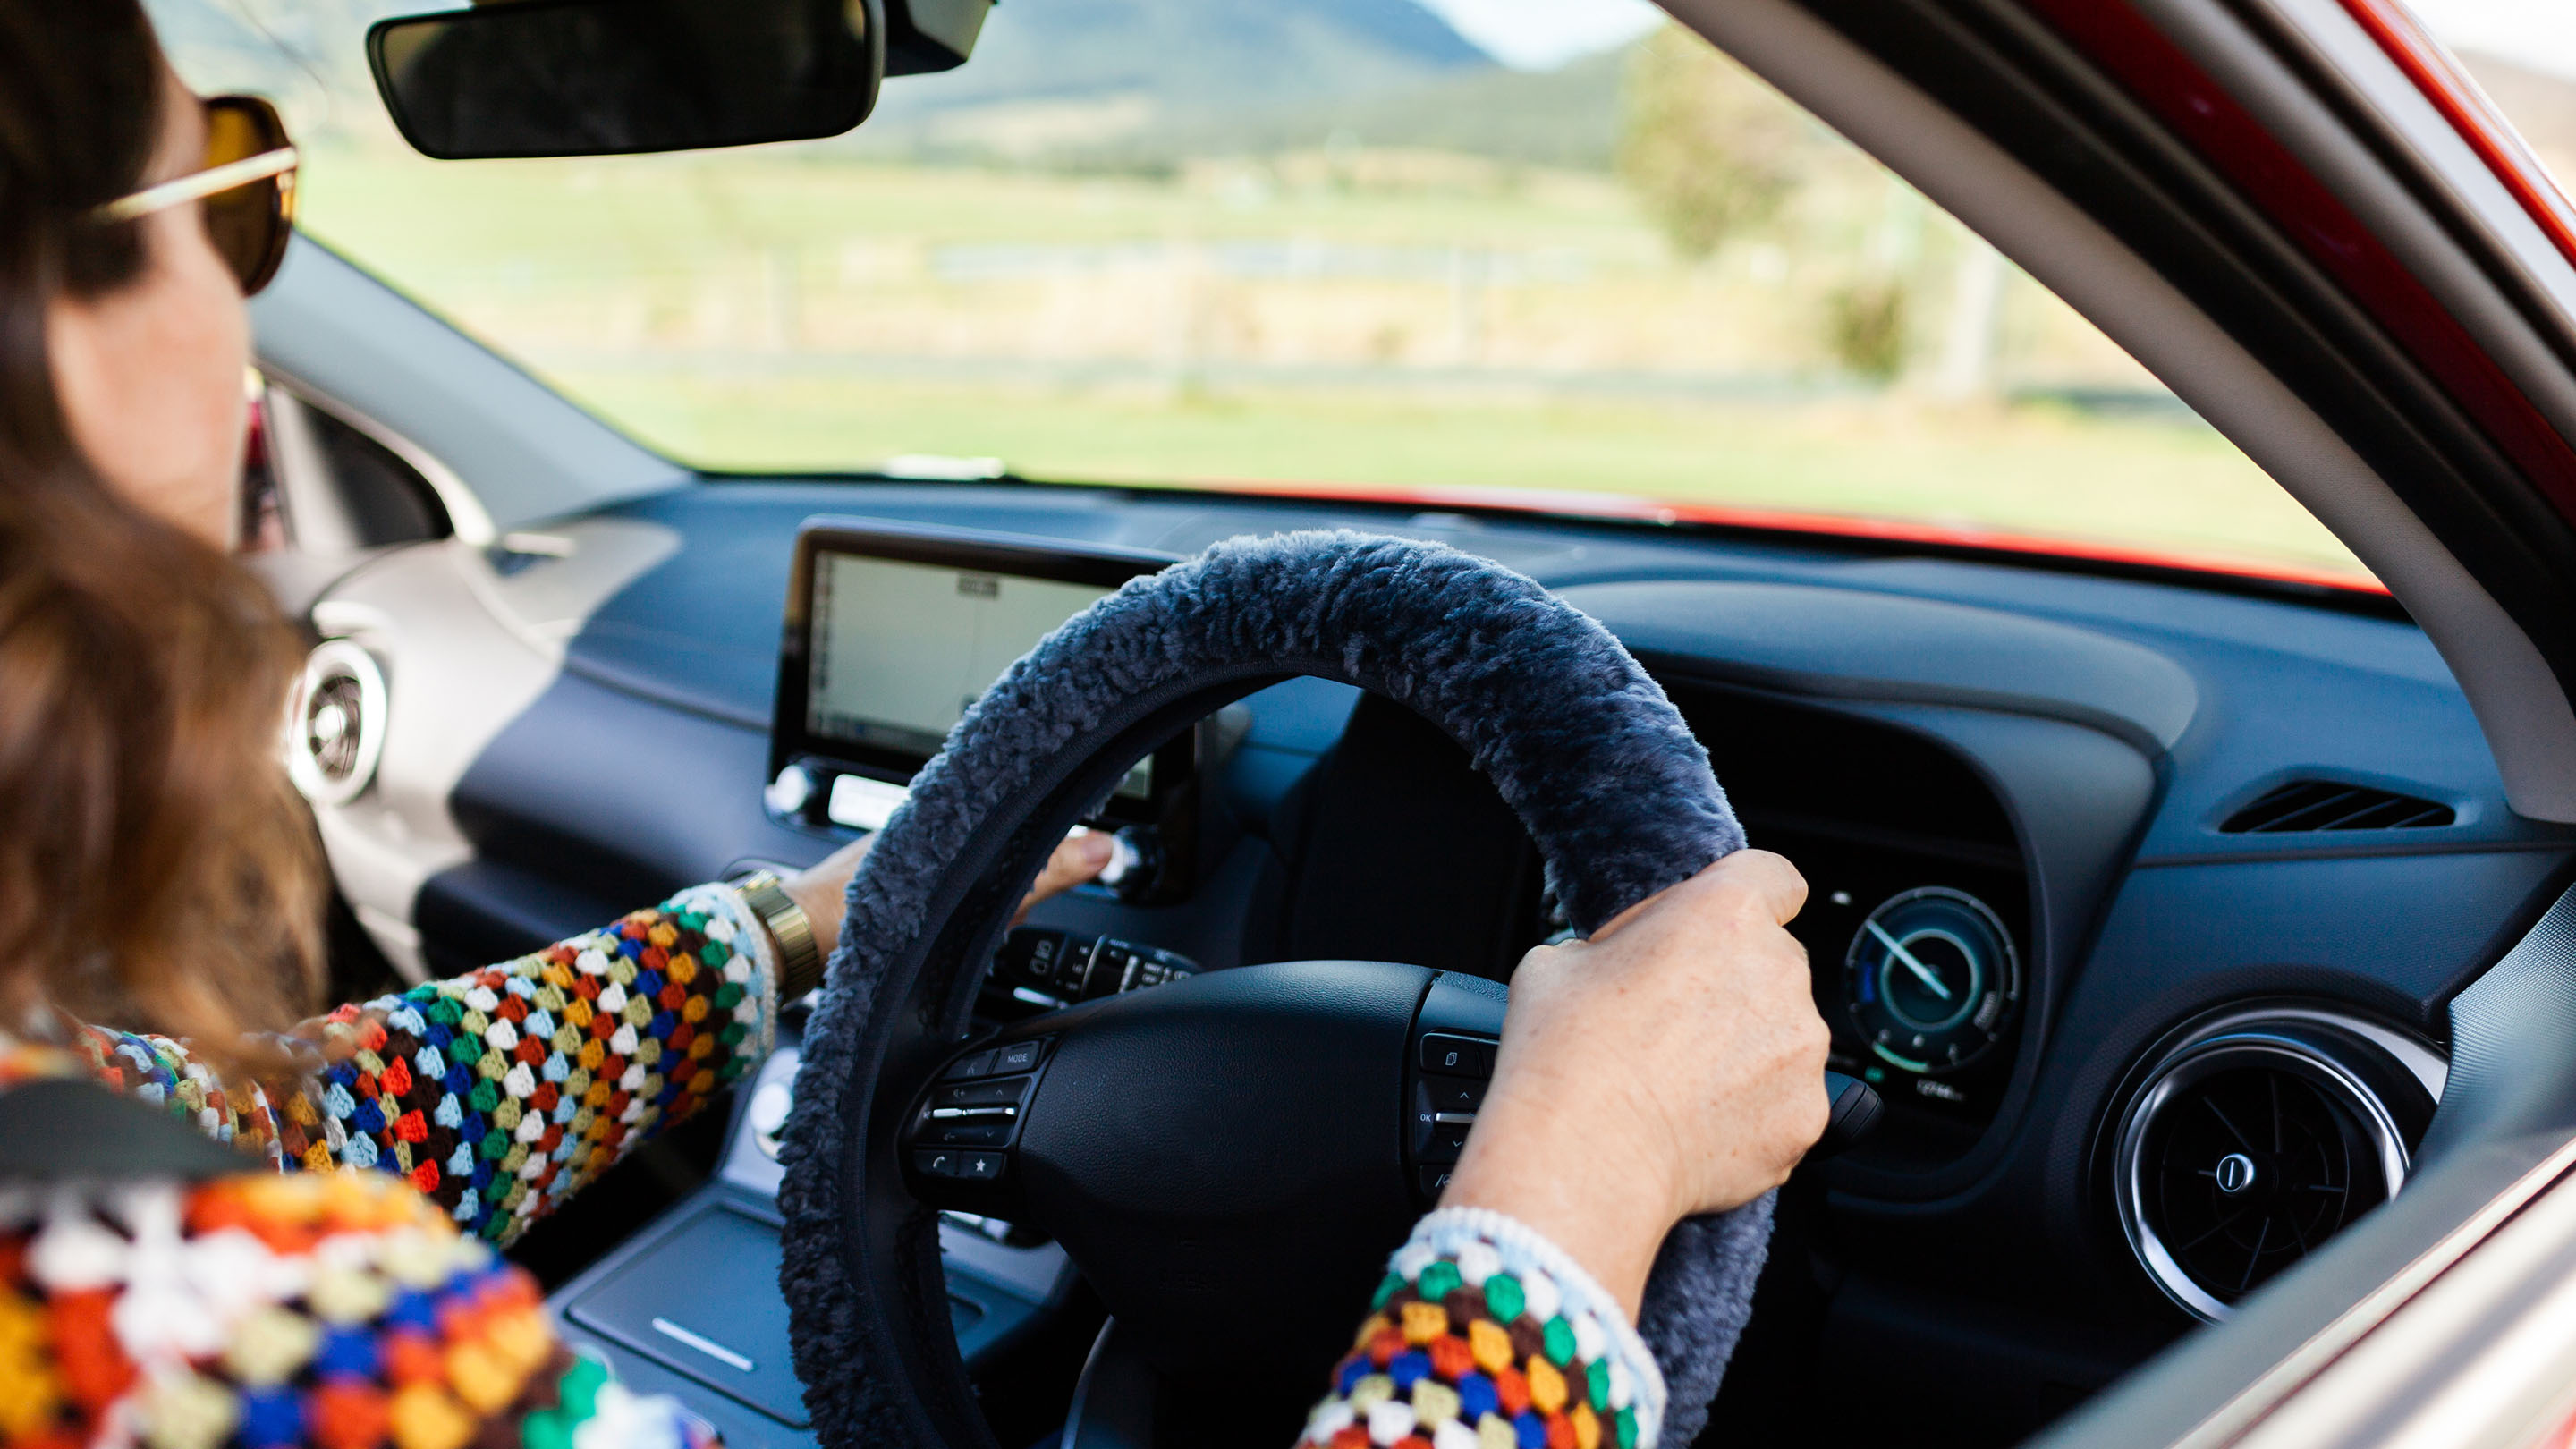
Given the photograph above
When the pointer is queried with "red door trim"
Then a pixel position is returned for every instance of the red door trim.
(2462, 102)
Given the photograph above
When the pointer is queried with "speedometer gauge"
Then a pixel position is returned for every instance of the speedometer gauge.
(1931, 979)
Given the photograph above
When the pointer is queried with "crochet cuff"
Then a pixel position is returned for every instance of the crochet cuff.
(742, 932)
(1488, 1336)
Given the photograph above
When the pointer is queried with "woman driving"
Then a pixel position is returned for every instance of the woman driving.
(155, 869)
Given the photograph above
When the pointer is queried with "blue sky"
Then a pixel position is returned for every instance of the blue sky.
(1537, 34)
(2538, 33)
(1543, 33)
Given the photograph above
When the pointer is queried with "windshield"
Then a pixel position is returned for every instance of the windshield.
(1550, 249)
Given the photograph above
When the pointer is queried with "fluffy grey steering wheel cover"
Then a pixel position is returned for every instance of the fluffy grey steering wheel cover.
(1579, 741)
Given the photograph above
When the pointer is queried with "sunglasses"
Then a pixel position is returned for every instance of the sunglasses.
(247, 185)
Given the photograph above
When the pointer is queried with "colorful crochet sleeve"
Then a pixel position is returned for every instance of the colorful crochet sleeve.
(336, 1310)
(500, 1093)
(1486, 1336)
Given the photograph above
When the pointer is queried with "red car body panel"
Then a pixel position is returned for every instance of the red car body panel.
(2161, 76)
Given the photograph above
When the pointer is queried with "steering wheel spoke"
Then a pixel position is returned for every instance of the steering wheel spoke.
(1177, 1142)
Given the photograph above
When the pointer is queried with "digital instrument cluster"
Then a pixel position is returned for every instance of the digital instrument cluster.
(1931, 980)
(1921, 971)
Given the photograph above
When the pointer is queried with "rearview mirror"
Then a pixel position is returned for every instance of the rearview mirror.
(613, 77)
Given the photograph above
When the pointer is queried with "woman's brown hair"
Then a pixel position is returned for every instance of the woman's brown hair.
(155, 868)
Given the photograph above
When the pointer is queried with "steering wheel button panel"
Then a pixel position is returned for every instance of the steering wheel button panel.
(1450, 1069)
(967, 1122)
(1442, 1108)
(1051, 969)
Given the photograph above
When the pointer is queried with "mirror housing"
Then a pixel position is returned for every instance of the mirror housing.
(617, 77)
(923, 36)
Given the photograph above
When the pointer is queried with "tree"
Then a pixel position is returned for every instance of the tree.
(1708, 148)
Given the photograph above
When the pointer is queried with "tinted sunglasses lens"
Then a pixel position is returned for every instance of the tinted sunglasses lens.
(250, 223)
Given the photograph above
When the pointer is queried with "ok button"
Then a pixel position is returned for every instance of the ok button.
(2235, 1173)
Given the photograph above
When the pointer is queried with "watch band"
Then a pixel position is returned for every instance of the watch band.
(800, 957)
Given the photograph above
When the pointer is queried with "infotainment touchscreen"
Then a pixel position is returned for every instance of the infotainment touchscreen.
(902, 649)
(893, 633)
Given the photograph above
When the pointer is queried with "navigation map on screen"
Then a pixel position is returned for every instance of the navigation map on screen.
(901, 649)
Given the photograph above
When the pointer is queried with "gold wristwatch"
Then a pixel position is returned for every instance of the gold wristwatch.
(800, 957)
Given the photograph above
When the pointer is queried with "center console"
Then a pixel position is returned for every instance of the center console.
(891, 634)
(690, 1306)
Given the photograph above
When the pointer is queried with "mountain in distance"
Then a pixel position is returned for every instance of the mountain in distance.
(1145, 82)
(1566, 117)
(1195, 54)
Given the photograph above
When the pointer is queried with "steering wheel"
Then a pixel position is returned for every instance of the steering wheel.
(1227, 1159)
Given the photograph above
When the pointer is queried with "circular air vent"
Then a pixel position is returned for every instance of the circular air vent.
(335, 731)
(2254, 1140)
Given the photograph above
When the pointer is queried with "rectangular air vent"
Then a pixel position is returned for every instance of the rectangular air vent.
(2304, 805)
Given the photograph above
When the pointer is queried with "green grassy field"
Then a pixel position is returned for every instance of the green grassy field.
(2025, 469)
(761, 311)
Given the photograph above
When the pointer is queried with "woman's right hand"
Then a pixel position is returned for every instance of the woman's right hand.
(818, 889)
(1673, 1064)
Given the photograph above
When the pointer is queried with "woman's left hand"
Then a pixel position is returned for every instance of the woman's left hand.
(818, 889)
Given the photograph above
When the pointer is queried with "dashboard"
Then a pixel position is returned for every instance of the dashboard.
(2087, 855)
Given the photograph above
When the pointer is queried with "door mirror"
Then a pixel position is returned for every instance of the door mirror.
(612, 77)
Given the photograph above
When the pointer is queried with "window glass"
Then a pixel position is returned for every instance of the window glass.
(1543, 247)
(2524, 57)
